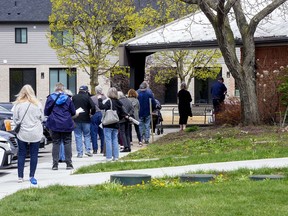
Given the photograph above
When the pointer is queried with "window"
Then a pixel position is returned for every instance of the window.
(21, 35)
(20, 77)
(62, 38)
(63, 75)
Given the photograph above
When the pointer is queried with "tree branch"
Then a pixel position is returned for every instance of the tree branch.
(190, 1)
(263, 13)
(211, 3)
(229, 5)
(240, 18)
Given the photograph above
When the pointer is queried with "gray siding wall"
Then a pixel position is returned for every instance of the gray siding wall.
(35, 52)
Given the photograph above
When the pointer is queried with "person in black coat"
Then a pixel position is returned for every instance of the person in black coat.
(111, 130)
(184, 106)
(82, 122)
(125, 123)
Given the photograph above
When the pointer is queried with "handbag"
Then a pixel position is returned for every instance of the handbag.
(18, 126)
(110, 116)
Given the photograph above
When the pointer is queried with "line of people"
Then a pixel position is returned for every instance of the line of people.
(81, 113)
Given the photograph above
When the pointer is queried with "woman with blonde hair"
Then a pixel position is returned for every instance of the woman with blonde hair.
(28, 112)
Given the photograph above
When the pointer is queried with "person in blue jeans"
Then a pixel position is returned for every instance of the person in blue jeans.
(111, 130)
(95, 128)
(145, 95)
(28, 112)
(82, 122)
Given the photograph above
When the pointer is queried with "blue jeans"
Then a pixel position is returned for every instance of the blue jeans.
(112, 146)
(82, 128)
(95, 130)
(22, 150)
(144, 127)
(61, 152)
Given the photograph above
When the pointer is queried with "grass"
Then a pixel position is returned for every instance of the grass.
(231, 193)
(203, 145)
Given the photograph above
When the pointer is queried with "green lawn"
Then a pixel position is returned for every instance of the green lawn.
(230, 193)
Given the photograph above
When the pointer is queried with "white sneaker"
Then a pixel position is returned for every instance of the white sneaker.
(20, 180)
(108, 159)
(89, 154)
(115, 159)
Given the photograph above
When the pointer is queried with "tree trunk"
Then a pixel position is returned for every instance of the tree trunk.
(243, 73)
(248, 96)
(93, 79)
(245, 77)
(248, 92)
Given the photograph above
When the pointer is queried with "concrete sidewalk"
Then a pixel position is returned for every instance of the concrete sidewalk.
(100, 178)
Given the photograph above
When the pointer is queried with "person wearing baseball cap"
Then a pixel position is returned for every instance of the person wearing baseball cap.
(82, 122)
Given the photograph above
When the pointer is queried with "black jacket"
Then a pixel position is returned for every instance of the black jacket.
(184, 100)
(83, 100)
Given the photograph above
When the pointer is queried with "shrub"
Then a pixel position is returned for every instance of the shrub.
(231, 112)
(269, 97)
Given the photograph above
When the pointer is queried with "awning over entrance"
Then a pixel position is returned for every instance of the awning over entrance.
(192, 32)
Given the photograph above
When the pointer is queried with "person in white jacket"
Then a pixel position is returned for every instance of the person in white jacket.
(28, 112)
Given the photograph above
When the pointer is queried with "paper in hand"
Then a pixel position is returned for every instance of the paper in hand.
(79, 110)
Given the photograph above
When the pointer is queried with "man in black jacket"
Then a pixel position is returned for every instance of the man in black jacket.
(83, 100)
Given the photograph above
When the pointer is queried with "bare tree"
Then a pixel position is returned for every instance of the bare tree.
(220, 14)
(186, 65)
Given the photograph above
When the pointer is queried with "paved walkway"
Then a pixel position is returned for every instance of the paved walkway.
(47, 177)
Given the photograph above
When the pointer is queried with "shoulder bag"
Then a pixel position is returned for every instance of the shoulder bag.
(110, 116)
(51, 108)
(18, 126)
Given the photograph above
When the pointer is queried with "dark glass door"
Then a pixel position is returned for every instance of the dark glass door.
(171, 91)
(20, 77)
